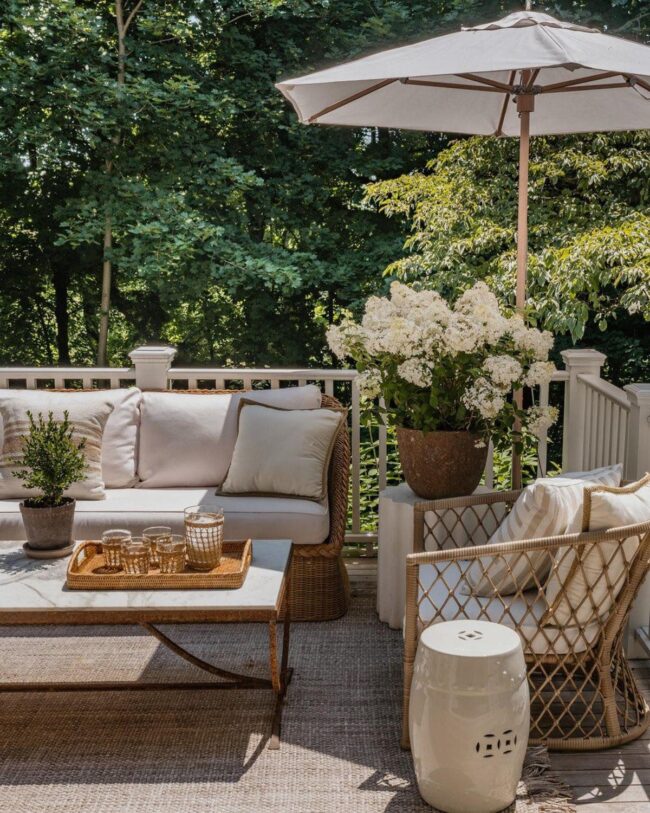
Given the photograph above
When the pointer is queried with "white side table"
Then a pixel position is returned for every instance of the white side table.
(395, 542)
(469, 716)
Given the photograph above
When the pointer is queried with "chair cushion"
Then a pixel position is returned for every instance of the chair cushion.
(87, 419)
(544, 508)
(525, 613)
(304, 521)
(119, 443)
(282, 452)
(586, 581)
(187, 439)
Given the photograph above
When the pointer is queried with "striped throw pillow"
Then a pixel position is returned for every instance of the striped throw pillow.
(544, 508)
(87, 418)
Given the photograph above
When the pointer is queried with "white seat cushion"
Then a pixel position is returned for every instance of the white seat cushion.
(304, 521)
(187, 439)
(523, 613)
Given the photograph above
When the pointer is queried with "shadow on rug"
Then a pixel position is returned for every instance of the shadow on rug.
(204, 752)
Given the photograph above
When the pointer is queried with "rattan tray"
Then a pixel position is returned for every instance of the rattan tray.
(84, 572)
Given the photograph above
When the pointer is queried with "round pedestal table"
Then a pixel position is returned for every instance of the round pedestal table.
(469, 716)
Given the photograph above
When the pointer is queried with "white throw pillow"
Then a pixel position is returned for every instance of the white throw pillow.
(187, 439)
(283, 452)
(88, 418)
(119, 445)
(586, 581)
(544, 508)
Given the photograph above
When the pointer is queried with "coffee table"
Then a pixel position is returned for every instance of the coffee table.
(34, 592)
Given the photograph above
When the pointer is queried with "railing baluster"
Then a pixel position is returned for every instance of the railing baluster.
(356, 460)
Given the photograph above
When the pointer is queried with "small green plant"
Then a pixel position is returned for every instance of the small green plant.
(51, 458)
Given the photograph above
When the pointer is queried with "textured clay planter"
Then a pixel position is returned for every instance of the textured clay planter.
(441, 464)
(48, 528)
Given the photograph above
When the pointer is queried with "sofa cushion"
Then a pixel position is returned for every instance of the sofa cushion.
(187, 439)
(87, 419)
(119, 444)
(284, 452)
(304, 521)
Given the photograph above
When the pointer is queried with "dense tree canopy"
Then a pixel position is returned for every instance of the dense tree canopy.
(236, 232)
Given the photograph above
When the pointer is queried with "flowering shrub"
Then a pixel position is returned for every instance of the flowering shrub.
(447, 368)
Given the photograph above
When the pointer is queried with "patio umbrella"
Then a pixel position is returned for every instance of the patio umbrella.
(527, 74)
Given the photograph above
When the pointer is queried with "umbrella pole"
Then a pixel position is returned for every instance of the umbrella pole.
(525, 105)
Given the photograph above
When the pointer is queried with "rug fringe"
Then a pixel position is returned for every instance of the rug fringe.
(550, 793)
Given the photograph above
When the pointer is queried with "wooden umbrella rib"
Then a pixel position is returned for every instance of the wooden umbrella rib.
(451, 85)
(349, 99)
(607, 86)
(568, 83)
(490, 82)
(637, 79)
(504, 107)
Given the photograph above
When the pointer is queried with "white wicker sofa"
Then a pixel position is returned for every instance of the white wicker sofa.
(165, 451)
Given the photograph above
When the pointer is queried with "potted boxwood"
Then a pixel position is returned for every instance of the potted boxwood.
(446, 374)
(51, 462)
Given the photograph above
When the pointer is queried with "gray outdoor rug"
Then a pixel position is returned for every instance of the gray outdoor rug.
(194, 752)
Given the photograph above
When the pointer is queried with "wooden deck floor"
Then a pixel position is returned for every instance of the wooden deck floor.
(616, 781)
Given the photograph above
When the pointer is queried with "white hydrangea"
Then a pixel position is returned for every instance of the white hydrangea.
(341, 338)
(415, 372)
(529, 339)
(539, 373)
(481, 306)
(484, 398)
(369, 384)
(540, 419)
(502, 370)
(462, 335)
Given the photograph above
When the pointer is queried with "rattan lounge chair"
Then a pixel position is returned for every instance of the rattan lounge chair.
(583, 694)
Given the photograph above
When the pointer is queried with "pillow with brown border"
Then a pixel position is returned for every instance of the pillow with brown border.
(282, 452)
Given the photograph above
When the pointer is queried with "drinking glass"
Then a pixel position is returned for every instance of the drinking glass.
(112, 541)
(153, 536)
(135, 557)
(171, 554)
(203, 536)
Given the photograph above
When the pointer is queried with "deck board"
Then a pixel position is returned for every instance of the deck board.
(615, 781)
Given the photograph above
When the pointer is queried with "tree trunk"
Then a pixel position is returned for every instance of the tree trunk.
(61, 281)
(107, 264)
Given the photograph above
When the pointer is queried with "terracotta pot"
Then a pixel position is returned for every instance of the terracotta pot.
(441, 464)
(48, 528)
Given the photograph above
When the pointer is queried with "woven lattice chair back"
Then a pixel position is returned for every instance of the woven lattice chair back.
(568, 597)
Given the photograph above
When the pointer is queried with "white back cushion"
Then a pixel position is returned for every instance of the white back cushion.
(119, 445)
(586, 581)
(87, 418)
(283, 452)
(544, 508)
(187, 439)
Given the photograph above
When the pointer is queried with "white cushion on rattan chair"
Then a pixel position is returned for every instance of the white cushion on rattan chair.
(586, 581)
(544, 508)
(524, 613)
(304, 521)
(187, 439)
(119, 443)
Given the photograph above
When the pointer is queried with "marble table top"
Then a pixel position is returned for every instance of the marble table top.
(29, 585)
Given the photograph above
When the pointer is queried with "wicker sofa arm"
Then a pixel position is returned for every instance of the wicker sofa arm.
(459, 521)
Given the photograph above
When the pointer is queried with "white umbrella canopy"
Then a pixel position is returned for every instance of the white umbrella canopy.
(581, 80)
(562, 78)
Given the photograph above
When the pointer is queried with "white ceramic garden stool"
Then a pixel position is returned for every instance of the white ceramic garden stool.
(469, 716)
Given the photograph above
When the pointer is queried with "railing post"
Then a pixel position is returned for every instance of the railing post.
(577, 363)
(637, 463)
(152, 365)
(637, 458)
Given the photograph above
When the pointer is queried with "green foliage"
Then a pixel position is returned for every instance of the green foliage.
(589, 224)
(52, 460)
